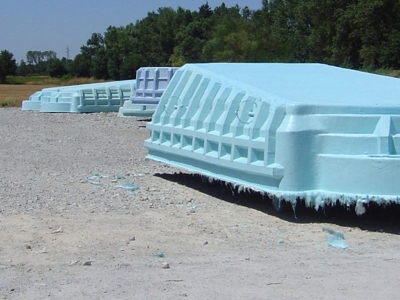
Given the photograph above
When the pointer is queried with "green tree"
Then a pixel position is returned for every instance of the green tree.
(122, 46)
(232, 38)
(95, 53)
(23, 69)
(99, 65)
(156, 34)
(132, 57)
(34, 57)
(80, 66)
(192, 36)
(56, 68)
(114, 51)
(390, 50)
(8, 65)
(375, 26)
(37, 60)
(269, 48)
(130, 64)
(265, 5)
(350, 33)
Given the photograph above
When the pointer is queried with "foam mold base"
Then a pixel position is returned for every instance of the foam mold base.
(314, 132)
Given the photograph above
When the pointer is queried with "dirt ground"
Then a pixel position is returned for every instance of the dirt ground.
(19, 92)
(68, 234)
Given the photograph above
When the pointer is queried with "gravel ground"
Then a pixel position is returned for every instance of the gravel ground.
(66, 232)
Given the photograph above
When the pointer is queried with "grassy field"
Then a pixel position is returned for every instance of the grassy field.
(51, 81)
(14, 94)
(20, 88)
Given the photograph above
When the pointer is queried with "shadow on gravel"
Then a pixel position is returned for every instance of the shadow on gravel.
(143, 122)
(377, 218)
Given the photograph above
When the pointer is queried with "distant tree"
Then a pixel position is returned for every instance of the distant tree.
(368, 33)
(205, 11)
(113, 41)
(265, 5)
(34, 57)
(80, 66)
(8, 65)
(99, 65)
(176, 59)
(156, 34)
(37, 60)
(49, 55)
(233, 37)
(22, 69)
(307, 29)
(348, 33)
(129, 66)
(95, 52)
(192, 37)
(56, 67)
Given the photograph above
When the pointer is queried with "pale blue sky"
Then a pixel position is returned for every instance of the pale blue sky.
(55, 24)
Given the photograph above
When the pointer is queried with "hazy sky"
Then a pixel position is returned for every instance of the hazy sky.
(55, 24)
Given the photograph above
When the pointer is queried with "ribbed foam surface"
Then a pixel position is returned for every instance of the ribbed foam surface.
(151, 83)
(85, 98)
(310, 131)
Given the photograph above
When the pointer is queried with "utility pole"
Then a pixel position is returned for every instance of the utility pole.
(67, 51)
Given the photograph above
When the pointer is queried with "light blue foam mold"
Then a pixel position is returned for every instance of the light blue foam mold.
(151, 83)
(293, 131)
(36, 99)
(85, 98)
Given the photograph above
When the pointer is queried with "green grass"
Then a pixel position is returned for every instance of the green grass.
(27, 79)
(9, 102)
(388, 72)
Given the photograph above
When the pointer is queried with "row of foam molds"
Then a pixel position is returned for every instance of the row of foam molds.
(323, 134)
(151, 83)
(85, 98)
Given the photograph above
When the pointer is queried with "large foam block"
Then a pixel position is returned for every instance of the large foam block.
(310, 131)
(34, 101)
(85, 98)
(136, 110)
(151, 83)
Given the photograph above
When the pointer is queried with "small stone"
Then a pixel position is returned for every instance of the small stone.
(87, 263)
(132, 239)
(165, 265)
(29, 247)
(205, 243)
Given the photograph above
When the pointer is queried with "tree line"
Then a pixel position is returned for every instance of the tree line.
(358, 34)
